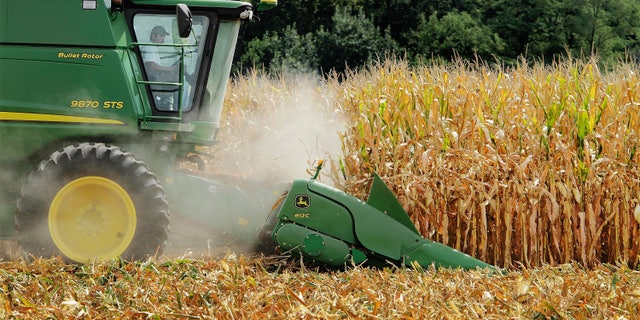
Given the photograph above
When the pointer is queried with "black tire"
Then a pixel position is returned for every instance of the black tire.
(92, 202)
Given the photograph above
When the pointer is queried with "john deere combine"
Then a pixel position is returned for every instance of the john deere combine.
(100, 98)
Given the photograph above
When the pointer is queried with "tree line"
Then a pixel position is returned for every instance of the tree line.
(327, 36)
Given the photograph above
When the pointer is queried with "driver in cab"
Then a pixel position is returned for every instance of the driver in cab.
(151, 54)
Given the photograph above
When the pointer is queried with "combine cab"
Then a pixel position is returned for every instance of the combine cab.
(100, 98)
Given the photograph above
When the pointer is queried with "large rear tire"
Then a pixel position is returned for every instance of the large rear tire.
(92, 202)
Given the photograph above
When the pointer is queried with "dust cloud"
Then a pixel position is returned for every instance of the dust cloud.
(282, 129)
(289, 126)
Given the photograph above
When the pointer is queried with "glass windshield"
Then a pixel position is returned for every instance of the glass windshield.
(218, 78)
(162, 49)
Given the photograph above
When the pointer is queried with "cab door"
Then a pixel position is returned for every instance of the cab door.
(173, 66)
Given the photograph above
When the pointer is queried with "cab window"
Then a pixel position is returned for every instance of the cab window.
(162, 50)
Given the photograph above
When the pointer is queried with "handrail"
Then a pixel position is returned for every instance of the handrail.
(179, 84)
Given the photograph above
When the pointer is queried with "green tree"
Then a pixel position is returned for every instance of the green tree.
(396, 16)
(284, 51)
(308, 16)
(304, 16)
(352, 41)
(454, 34)
(532, 28)
(607, 28)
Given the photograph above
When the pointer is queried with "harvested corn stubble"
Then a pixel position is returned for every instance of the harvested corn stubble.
(235, 287)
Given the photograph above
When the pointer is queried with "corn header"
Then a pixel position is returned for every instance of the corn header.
(329, 226)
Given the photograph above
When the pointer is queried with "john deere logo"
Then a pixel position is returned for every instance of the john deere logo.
(302, 201)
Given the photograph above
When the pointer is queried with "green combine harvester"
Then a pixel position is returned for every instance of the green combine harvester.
(98, 101)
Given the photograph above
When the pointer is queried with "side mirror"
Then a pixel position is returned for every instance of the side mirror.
(183, 15)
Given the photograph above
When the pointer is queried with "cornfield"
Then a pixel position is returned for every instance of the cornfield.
(532, 164)
(533, 168)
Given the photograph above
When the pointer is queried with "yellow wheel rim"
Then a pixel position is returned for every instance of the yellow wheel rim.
(92, 218)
